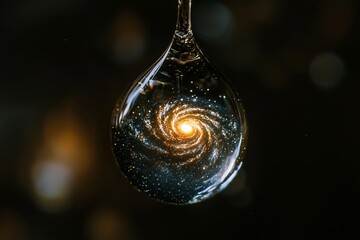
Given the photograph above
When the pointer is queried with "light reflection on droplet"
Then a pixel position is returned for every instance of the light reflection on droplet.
(238, 185)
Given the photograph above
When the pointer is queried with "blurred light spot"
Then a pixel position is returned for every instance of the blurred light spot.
(128, 39)
(212, 20)
(107, 224)
(327, 70)
(52, 180)
(64, 160)
(12, 225)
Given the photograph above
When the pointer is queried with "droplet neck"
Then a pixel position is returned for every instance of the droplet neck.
(183, 45)
(183, 26)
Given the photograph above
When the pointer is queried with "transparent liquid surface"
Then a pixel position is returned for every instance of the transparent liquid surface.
(179, 133)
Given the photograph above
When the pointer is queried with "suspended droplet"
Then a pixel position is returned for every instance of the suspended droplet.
(180, 131)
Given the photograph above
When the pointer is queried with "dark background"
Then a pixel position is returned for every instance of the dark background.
(63, 64)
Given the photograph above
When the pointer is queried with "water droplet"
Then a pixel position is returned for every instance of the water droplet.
(183, 140)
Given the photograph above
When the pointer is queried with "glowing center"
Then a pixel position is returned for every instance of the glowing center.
(186, 128)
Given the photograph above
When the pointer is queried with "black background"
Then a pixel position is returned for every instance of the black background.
(60, 69)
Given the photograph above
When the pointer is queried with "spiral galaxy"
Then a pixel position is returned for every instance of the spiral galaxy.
(176, 148)
(186, 132)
